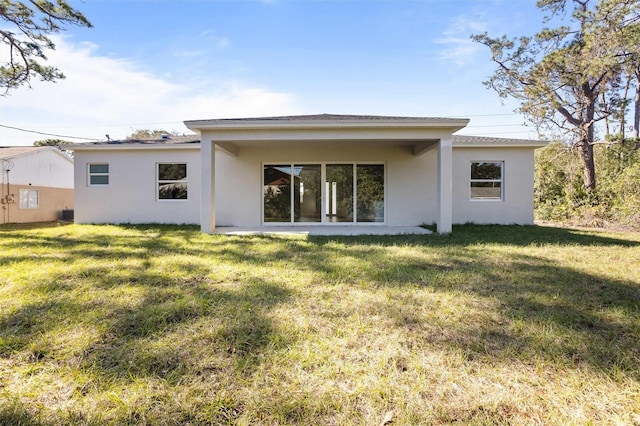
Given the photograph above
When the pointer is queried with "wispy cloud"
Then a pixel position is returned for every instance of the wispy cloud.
(458, 47)
(215, 40)
(116, 96)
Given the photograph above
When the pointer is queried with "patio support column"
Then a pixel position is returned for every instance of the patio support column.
(208, 187)
(445, 185)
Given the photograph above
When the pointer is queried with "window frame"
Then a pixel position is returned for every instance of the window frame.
(165, 181)
(91, 174)
(28, 191)
(323, 198)
(500, 181)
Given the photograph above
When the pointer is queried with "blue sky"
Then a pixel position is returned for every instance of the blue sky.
(152, 64)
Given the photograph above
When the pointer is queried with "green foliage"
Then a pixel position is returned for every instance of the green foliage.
(560, 195)
(51, 142)
(149, 134)
(25, 32)
(568, 78)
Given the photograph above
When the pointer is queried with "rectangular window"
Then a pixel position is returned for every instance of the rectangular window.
(486, 180)
(29, 198)
(295, 193)
(98, 174)
(277, 193)
(370, 192)
(172, 181)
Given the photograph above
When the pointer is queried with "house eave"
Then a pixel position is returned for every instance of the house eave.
(279, 123)
(468, 141)
(133, 146)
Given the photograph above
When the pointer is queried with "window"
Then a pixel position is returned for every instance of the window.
(295, 193)
(98, 174)
(486, 180)
(172, 181)
(29, 198)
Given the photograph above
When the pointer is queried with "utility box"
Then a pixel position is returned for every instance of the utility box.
(67, 215)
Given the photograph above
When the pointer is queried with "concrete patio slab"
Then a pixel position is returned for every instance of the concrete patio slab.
(323, 230)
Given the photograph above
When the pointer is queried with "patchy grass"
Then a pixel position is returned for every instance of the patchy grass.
(163, 325)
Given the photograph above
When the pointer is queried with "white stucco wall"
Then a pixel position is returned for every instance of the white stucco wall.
(44, 167)
(516, 207)
(131, 196)
(410, 180)
(411, 183)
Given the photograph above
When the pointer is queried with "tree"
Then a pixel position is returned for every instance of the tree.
(149, 134)
(25, 36)
(51, 142)
(563, 76)
(57, 143)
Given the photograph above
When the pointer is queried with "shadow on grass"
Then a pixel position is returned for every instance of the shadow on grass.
(149, 330)
(538, 307)
(194, 320)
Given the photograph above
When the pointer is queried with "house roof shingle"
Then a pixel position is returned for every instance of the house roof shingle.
(327, 119)
(192, 140)
(471, 141)
(7, 152)
(169, 141)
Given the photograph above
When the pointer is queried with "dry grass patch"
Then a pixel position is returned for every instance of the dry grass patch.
(164, 325)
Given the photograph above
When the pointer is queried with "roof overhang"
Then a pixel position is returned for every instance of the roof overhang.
(464, 141)
(124, 145)
(326, 121)
(419, 132)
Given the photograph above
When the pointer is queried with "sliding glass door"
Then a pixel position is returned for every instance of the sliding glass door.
(339, 193)
(370, 192)
(326, 193)
(307, 193)
(277, 193)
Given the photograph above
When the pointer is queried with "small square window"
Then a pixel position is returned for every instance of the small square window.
(486, 181)
(29, 198)
(98, 174)
(172, 181)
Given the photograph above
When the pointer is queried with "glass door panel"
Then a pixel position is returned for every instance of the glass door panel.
(277, 193)
(307, 193)
(339, 193)
(370, 192)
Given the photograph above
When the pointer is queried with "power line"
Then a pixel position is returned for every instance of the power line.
(47, 134)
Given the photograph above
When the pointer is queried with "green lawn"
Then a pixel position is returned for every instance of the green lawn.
(163, 325)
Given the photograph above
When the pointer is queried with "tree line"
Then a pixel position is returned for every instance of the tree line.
(577, 81)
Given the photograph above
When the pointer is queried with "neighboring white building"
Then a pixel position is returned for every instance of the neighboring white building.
(36, 184)
(308, 170)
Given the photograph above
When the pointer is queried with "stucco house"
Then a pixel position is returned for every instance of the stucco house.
(36, 184)
(311, 170)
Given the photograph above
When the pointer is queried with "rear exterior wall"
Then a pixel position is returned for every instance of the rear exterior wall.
(410, 181)
(131, 195)
(516, 205)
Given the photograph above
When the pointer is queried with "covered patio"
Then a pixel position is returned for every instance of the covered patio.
(330, 133)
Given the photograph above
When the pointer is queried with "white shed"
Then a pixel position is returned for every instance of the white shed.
(37, 184)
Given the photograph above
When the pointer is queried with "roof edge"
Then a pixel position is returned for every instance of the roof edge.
(470, 141)
(323, 121)
(37, 149)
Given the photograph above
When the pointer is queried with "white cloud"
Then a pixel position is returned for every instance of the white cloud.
(459, 49)
(104, 95)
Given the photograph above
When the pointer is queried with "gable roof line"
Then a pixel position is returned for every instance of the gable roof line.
(10, 152)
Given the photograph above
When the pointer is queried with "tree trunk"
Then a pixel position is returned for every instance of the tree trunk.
(636, 101)
(623, 107)
(607, 128)
(588, 164)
